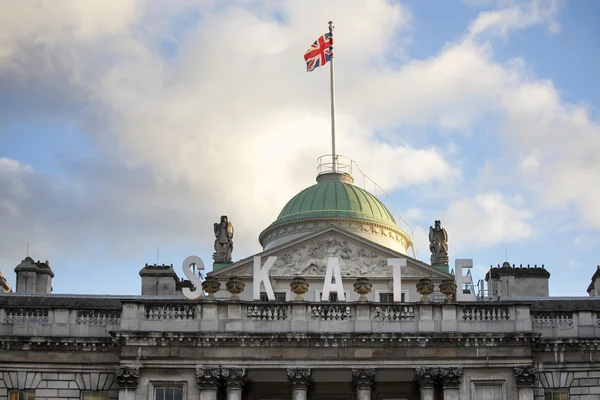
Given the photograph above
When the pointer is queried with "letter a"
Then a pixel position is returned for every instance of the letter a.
(262, 275)
(333, 270)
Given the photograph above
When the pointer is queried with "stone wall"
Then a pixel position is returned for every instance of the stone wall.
(57, 385)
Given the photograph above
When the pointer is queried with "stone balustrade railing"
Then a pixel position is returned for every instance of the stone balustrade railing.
(94, 317)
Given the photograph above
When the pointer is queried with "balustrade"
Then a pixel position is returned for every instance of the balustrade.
(485, 312)
(553, 318)
(170, 311)
(253, 316)
(26, 315)
(265, 312)
(334, 312)
(393, 313)
(98, 317)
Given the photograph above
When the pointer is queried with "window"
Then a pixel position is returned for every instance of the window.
(168, 393)
(333, 296)
(90, 395)
(388, 297)
(279, 296)
(488, 392)
(22, 395)
(554, 394)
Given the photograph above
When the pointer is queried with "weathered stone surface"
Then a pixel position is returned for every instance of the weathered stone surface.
(208, 377)
(426, 377)
(234, 377)
(299, 377)
(450, 377)
(363, 378)
(525, 375)
(127, 377)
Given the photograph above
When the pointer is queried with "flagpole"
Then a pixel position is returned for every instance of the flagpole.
(332, 85)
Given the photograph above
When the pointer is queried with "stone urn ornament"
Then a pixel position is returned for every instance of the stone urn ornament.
(211, 286)
(235, 286)
(425, 288)
(363, 287)
(448, 287)
(299, 286)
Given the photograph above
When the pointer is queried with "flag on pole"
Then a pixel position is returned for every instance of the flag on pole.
(320, 52)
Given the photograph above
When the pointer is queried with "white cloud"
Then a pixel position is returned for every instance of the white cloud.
(486, 220)
(515, 15)
(8, 165)
(46, 25)
(236, 126)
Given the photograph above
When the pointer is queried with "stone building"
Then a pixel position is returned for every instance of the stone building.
(333, 308)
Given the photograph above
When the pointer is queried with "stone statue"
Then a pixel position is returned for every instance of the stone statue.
(223, 241)
(438, 244)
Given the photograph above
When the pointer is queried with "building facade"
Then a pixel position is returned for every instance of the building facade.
(333, 308)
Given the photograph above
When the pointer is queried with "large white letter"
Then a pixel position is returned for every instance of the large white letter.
(187, 263)
(262, 275)
(397, 264)
(461, 280)
(333, 270)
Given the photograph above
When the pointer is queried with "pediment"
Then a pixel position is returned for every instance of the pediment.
(307, 257)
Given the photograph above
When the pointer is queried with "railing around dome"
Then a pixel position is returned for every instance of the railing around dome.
(345, 165)
(325, 164)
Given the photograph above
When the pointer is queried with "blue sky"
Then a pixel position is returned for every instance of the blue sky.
(136, 129)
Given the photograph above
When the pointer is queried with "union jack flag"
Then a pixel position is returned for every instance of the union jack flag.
(320, 52)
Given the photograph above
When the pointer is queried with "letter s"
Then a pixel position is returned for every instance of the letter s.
(187, 263)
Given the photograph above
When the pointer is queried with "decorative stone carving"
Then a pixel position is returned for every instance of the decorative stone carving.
(425, 288)
(525, 375)
(310, 259)
(211, 286)
(127, 377)
(363, 378)
(235, 286)
(426, 376)
(234, 377)
(438, 244)
(450, 376)
(299, 286)
(299, 377)
(448, 287)
(223, 241)
(362, 286)
(208, 377)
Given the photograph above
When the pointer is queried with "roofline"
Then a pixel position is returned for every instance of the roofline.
(342, 231)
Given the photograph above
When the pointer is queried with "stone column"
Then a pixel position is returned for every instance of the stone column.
(363, 380)
(299, 379)
(451, 382)
(525, 375)
(235, 378)
(128, 379)
(426, 379)
(207, 380)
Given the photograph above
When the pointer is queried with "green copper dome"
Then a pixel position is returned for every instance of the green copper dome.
(335, 198)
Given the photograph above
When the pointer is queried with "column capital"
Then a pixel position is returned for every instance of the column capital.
(426, 376)
(299, 377)
(234, 377)
(525, 375)
(363, 378)
(207, 377)
(450, 376)
(127, 377)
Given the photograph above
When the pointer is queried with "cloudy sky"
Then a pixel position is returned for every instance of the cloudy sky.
(127, 125)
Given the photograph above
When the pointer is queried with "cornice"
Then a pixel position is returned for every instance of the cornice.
(355, 340)
(320, 223)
